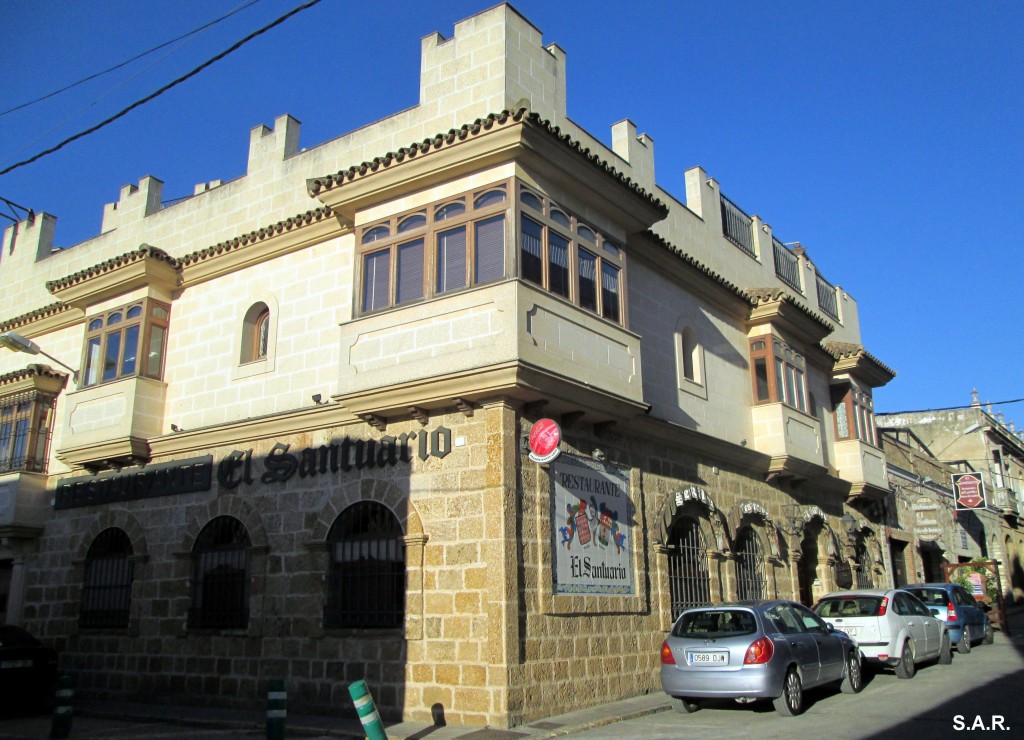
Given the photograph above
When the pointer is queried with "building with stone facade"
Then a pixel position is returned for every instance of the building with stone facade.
(925, 450)
(282, 428)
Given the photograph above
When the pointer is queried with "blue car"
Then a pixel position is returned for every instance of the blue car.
(965, 618)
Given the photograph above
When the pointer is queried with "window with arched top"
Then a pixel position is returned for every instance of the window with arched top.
(366, 571)
(220, 576)
(107, 585)
(688, 574)
(750, 569)
(255, 333)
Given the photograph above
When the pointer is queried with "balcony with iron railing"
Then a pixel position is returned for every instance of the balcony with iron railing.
(737, 226)
(827, 298)
(787, 265)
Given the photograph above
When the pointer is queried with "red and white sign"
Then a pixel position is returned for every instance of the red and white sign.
(968, 491)
(545, 438)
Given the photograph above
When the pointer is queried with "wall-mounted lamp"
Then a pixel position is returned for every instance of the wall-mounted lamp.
(17, 343)
(792, 518)
(176, 428)
(849, 523)
(318, 399)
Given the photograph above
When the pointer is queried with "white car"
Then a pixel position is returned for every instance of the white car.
(891, 627)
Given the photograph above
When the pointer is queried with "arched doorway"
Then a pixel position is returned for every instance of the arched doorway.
(807, 569)
(750, 573)
(688, 578)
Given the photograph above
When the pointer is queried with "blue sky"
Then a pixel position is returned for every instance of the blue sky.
(886, 137)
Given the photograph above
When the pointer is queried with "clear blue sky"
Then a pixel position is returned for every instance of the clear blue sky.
(884, 136)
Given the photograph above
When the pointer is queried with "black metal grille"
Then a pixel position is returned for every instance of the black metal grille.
(750, 581)
(736, 226)
(688, 579)
(107, 588)
(366, 577)
(220, 587)
(864, 567)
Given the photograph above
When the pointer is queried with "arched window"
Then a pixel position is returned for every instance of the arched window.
(366, 574)
(255, 333)
(688, 580)
(750, 580)
(220, 582)
(107, 587)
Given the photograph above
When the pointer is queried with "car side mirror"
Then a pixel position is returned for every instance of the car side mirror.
(830, 627)
(934, 611)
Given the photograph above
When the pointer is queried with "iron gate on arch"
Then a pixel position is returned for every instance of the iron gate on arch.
(750, 574)
(688, 578)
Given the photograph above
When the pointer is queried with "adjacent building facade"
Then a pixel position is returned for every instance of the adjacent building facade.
(926, 450)
(291, 438)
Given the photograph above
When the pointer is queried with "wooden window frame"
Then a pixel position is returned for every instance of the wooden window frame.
(858, 409)
(607, 254)
(100, 330)
(26, 421)
(771, 356)
(433, 226)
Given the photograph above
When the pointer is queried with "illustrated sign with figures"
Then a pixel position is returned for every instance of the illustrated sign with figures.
(593, 548)
(968, 491)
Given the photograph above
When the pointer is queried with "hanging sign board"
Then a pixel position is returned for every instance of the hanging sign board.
(968, 491)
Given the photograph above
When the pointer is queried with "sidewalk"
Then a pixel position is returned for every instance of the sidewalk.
(311, 726)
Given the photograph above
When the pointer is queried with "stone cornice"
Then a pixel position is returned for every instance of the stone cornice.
(49, 318)
(499, 138)
(145, 266)
(776, 307)
(34, 377)
(854, 359)
(259, 245)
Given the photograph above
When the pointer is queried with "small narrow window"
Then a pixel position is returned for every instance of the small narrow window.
(376, 279)
(531, 253)
(489, 249)
(451, 260)
(410, 272)
(255, 333)
(558, 265)
(587, 280)
(610, 292)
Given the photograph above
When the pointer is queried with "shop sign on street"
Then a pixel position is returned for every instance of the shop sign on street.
(968, 491)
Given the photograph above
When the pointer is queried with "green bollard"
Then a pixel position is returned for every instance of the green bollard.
(366, 710)
(277, 699)
(61, 726)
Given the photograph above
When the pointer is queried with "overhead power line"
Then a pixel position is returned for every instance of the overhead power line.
(162, 90)
(129, 61)
(944, 408)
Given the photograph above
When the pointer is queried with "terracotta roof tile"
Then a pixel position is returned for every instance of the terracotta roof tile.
(143, 252)
(35, 369)
(479, 126)
(40, 313)
(266, 232)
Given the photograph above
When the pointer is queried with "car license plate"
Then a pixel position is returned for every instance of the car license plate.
(851, 631)
(707, 657)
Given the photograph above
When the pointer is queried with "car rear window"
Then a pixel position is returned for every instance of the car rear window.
(717, 623)
(931, 596)
(849, 606)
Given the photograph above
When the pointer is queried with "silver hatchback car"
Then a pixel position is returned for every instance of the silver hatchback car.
(753, 650)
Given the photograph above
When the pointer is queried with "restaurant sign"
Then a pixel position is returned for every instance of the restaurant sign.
(593, 548)
(968, 491)
(196, 475)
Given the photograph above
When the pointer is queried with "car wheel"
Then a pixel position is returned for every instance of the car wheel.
(946, 651)
(906, 668)
(964, 646)
(791, 702)
(990, 634)
(683, 705)
(853, 680)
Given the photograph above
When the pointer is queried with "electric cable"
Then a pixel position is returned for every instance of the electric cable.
(162, 90)
(129, 61)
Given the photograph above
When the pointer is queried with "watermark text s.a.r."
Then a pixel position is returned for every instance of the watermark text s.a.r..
(980, 722)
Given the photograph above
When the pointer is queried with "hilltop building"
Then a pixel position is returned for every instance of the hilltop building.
(295, 440)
